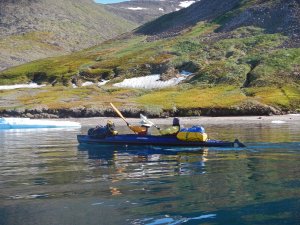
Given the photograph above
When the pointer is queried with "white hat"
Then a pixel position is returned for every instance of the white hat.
(145, 124)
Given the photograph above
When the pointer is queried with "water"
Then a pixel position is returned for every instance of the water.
(46, 178)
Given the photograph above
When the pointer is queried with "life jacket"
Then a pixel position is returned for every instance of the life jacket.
(173, 130)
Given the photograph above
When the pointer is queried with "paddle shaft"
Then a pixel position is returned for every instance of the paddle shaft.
(119, 113)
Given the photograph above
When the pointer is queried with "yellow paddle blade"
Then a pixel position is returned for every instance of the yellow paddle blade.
(137, 129)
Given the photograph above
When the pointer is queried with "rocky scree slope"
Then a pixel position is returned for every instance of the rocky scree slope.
(275, 16)
(142, 11)
(34, 29)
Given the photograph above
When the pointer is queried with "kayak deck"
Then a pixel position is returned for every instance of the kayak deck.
(132, 139)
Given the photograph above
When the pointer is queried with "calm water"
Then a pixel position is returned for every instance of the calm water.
(46, 178)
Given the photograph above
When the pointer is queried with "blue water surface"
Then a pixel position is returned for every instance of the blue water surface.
(47, 178)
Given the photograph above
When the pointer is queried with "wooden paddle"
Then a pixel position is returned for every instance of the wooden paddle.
(135, 129)
(119, 113)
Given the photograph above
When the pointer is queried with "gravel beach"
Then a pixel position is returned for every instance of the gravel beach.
(201, 120)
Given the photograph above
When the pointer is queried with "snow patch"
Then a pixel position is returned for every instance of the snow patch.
(102, 82)
(149, 82)
(17, 86)
(161, 9)
(177, 9)
(186, 4)
(88, 83)
(136, 8)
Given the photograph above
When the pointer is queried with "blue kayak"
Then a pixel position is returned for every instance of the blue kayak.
(133, 139)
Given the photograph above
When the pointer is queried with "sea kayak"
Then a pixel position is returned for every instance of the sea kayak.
(153, 140)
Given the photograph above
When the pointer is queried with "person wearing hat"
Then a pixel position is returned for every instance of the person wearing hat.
(145, 125)
(173, 130)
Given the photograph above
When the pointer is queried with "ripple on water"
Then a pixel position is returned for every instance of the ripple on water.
(172, 220)
(144, 187)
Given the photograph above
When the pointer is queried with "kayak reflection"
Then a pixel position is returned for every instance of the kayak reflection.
(134, 162)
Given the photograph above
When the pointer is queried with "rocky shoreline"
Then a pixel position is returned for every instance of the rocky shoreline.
(82, 112)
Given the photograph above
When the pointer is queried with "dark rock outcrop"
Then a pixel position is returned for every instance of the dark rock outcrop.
(247, 109)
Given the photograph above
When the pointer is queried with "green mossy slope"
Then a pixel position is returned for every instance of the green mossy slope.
(233, 69)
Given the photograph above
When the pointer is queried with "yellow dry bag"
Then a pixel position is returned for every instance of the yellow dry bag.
(192, 136)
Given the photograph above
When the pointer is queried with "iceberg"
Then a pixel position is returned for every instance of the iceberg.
(24, 123)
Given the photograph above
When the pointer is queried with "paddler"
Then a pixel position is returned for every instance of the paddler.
(172, 130)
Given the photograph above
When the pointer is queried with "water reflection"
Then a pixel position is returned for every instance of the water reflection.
(146, 162)
(46, 175)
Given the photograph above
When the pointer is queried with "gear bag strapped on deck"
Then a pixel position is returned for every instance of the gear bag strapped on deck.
(195, 133)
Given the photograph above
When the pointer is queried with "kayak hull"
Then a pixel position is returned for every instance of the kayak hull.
(132, 139)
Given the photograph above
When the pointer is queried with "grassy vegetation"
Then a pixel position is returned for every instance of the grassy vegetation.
(285, 97)
(225, 61)
(184, 96)
(42, 29)
(63, 97)
(53, 68)
(28, 41)
(229, 60)
(230, 69)
(221, 96)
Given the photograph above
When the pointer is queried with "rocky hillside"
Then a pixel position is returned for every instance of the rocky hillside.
(282, 16)
(142, 11)
(243, 55)
(205, 10)
(34, 29)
